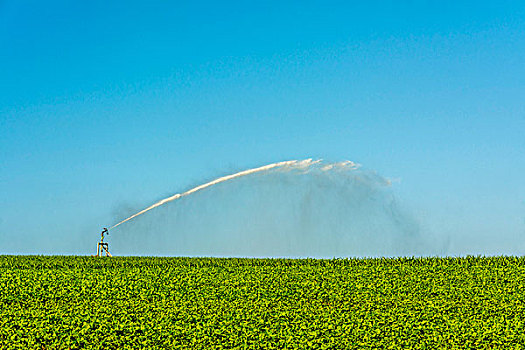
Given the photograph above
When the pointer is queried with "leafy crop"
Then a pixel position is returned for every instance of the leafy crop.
(209, 303)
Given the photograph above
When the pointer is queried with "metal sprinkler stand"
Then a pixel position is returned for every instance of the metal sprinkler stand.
(101, 246)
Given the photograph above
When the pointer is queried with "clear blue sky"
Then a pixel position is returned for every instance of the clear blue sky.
(103, 104)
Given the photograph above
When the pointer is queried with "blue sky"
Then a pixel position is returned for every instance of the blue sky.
(102, 105)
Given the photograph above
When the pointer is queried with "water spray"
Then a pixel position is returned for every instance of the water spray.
(291, 164)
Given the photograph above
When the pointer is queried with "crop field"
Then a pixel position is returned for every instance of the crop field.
(212, 303)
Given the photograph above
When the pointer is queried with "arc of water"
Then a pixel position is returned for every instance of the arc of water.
(290, 163)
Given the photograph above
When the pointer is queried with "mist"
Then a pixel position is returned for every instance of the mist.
(317, 210)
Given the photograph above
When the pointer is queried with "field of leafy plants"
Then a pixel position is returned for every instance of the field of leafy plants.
(212, 303)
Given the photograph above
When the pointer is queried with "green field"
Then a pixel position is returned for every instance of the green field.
(199, 303)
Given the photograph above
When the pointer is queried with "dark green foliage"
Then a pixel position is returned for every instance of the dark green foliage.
(197, 303)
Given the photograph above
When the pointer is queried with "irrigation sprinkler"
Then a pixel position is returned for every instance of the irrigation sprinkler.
(103, 246)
